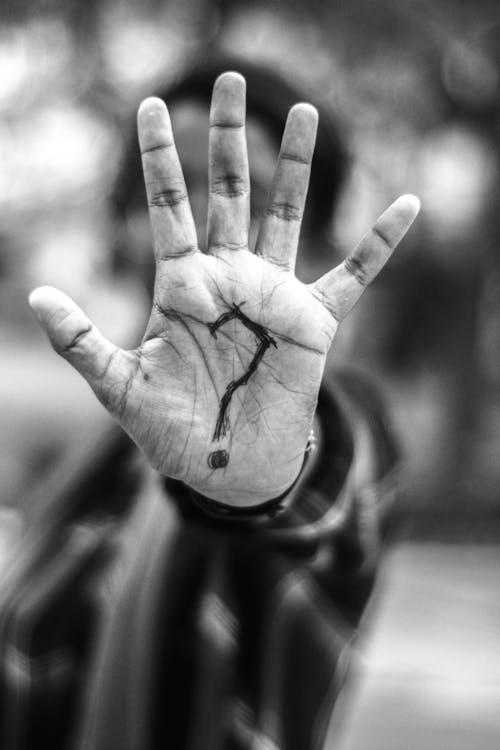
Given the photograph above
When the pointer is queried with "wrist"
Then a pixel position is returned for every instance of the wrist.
(265, 506)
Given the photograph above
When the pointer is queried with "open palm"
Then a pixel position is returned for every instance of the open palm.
(221, 392)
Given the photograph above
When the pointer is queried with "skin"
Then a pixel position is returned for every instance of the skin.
(167, 393)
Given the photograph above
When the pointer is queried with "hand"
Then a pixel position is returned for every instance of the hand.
(221, 393)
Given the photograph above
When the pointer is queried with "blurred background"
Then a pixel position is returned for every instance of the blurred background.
(413, 92)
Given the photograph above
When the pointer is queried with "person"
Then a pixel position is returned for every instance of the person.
(208, 601)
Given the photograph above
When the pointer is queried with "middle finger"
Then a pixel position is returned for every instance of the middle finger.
(229, 181)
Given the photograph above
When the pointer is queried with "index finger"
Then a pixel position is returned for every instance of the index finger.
(340, 288)
(172, 223)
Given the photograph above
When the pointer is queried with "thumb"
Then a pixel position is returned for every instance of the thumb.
(105, 367)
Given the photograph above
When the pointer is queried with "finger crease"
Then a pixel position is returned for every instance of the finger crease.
(79, 336)
(190, 250)
(214, 246)
(167, 198)
(356, 269)
(229, 186)
(284, 212)
(381, 236)
(282, 264)
(159, 147)
(227, 125)
(295, 158)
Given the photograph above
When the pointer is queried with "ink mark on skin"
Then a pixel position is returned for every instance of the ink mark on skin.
(265, 341)
(218, 459)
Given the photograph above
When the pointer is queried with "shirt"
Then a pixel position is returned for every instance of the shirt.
(134, 618)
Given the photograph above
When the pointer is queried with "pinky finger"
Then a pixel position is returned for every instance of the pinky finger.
(105, 367)
(340, 288)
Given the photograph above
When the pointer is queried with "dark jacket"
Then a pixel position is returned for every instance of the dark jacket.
(133, 618)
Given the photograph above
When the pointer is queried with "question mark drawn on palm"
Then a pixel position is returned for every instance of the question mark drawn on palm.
(173, 447)
(219, 459)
